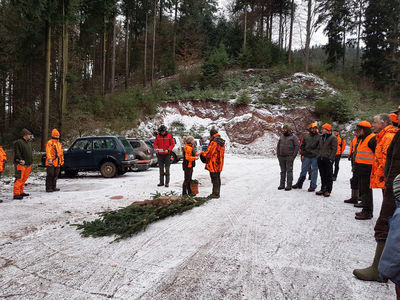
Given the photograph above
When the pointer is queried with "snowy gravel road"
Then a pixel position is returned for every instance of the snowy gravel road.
(255, 242)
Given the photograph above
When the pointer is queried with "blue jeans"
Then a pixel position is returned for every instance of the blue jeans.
(305, 166)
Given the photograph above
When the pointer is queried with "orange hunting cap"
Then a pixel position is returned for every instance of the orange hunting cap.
(393, 116)
(327, 126)
(312, 125)
(55, 132)
(364, 124)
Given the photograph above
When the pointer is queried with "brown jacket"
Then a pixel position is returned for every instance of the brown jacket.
(392, 165)
(288, 145)
(327, 147)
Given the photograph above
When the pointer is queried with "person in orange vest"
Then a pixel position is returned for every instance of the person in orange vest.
(3, 158)
(214, 157)
(23, 159)
(340, 149)
(54, 161)
(391, 170)
(354, 179)
(363, 160)
(189, 162)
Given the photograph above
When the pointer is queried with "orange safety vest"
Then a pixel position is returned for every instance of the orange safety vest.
(364, 154)
(353, 144)
(3, 157)
(341, 145)
(55, 153)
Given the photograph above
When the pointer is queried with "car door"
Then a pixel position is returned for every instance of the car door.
(79, 155)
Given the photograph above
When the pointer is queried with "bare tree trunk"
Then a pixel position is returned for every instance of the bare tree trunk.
(126, 51)
(175, 27)
(113, 57)
(280, 37)
(308, 36)
(154, 43)
(65, 57)
(271, 18)
(344, 50)
(46, 102)
(103, 73)
(145, 54)
(245, 27)
(291, 32)
(360, 13)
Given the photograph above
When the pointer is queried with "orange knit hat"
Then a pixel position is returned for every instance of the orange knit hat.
(364, 124)
(55, 132)
(393, 116)
(327, 126)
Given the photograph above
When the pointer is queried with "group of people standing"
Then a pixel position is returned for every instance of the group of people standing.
(23, 159)
(213, 157)
(375, 157)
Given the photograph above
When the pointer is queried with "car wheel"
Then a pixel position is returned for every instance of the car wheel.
(71, 173)
(174, 158)
(108, 169)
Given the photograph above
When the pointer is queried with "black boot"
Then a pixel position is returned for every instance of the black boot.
(299, 183)
(354, 197)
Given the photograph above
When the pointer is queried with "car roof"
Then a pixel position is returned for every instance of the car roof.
(100, 136)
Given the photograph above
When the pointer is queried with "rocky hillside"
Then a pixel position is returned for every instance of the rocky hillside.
(248, 128)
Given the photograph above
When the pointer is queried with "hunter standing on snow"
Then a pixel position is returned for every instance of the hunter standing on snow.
(340, 149)
(392, 169)
(287, 149)
(23, 163)
(214, 156)
(309, 151)
(326, 156)
(189, 162)
(54, 161)
(163, 144)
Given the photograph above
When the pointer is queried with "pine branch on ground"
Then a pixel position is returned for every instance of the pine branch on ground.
(127, 221)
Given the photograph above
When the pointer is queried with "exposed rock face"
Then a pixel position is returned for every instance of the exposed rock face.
(247, 128)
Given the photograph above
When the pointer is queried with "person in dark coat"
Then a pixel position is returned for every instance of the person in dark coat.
(392, 169)
(287, 149)
(23, 158)
(326, 156)
(163, 144)
(363, 161)
(309, 152)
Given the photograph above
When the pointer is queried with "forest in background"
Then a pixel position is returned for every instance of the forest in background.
(86, 64)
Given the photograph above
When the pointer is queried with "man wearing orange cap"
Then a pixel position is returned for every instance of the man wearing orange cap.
(54, 161)
(23, 159)
(391, 170)
(309, 152)
(327, 148)
(363, 160)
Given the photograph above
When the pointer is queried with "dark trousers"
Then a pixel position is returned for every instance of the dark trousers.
(337, 160)
(387, 210)
(186, 183)
(51, 177)
(286, 165)
(325, 167)
(164, 162)
(354, 182)
(366, 192)
(216, 182)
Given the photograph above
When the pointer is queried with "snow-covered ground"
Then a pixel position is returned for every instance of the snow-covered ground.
(255, 242)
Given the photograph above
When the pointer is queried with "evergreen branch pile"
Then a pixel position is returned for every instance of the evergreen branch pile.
(130, 220)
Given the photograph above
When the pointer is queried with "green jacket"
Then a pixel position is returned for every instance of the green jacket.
(23, 151)
(327, 146)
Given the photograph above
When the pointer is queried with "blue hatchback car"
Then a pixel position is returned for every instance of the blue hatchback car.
(111, 155)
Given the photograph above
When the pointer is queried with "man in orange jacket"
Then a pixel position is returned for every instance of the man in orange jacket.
(3, 158)
(340, 149)
(54, 161)
(23, 159)
(214, 156)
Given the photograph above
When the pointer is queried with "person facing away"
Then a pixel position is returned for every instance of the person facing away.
(23, 159)
(54, 161)
(340, 149)
(214, 157)
(189, 162)
(327, 148)
(309, 152)
(163, 145)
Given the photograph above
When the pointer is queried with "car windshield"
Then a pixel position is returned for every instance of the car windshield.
(125, 143)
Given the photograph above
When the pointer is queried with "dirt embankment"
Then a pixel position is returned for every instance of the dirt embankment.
(244, 123)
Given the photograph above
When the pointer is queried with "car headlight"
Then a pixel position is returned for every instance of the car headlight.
(131, 156)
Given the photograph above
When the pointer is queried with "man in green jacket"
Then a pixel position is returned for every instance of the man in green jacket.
(23, 163)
